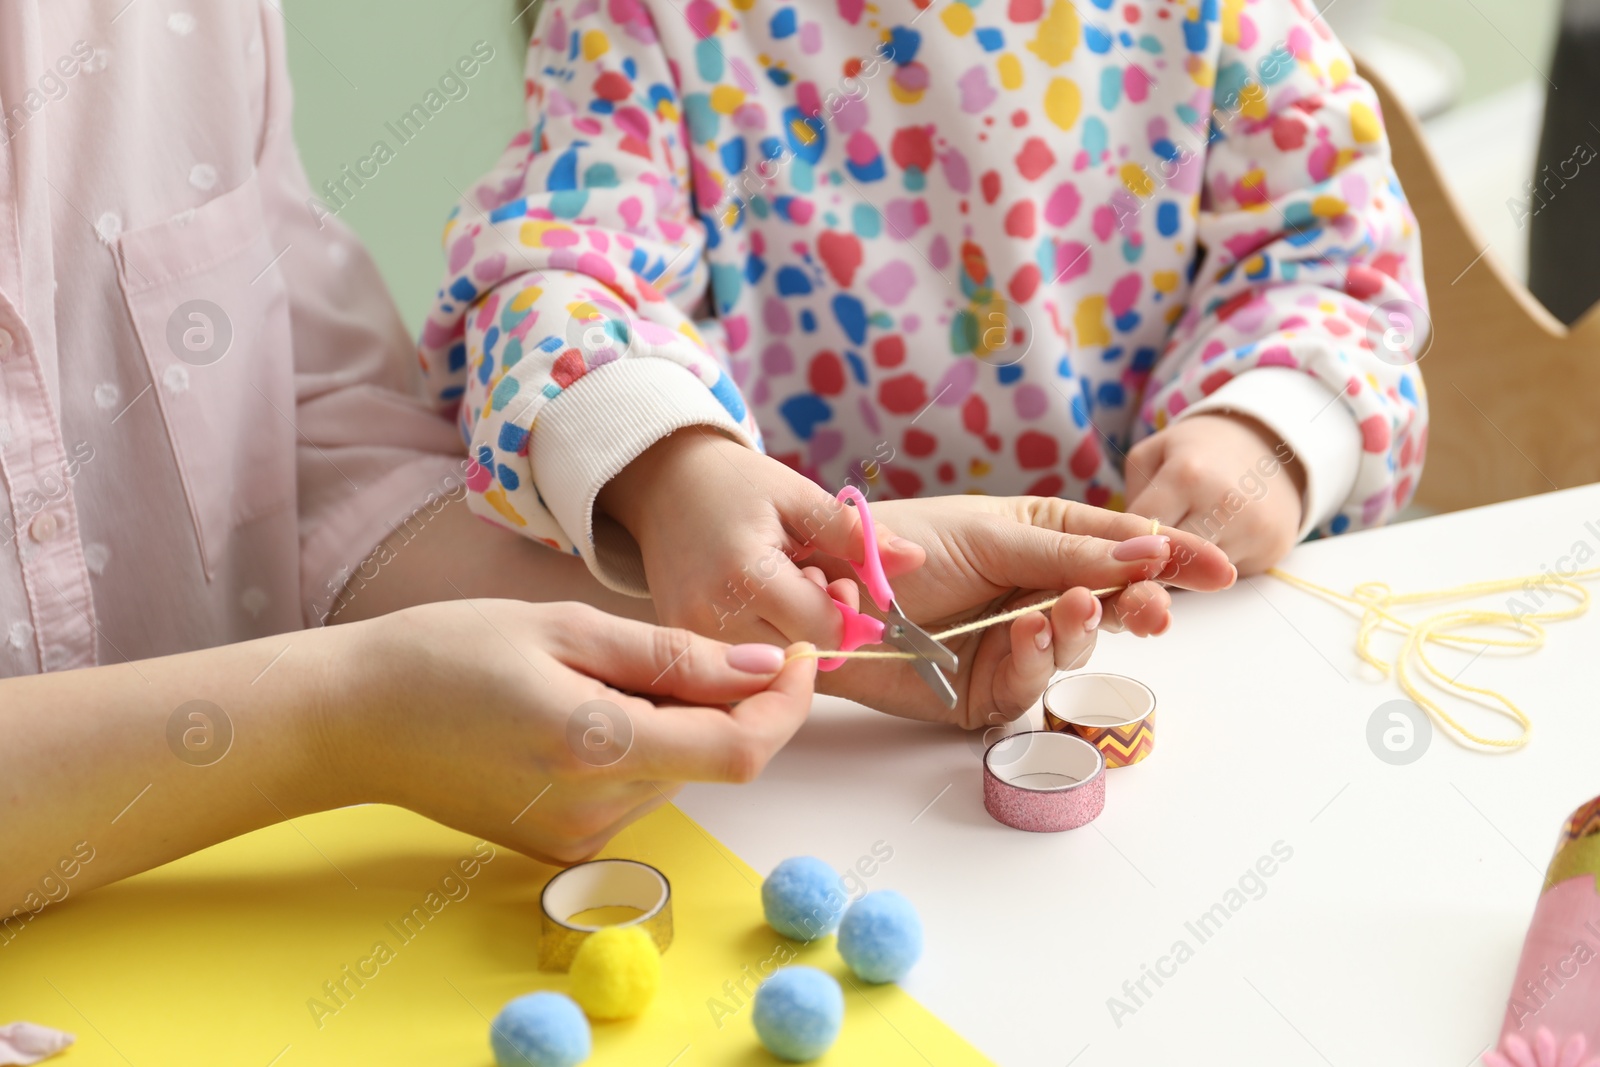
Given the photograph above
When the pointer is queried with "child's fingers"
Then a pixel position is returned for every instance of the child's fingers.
(800, 608)
(819, 523)
(843, 589)
(1162, 501)
(1143, 464)
(816, 522)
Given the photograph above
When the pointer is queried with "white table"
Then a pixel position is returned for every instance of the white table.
(1389, 937)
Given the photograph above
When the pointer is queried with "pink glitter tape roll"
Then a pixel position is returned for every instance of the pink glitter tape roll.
(1044, 781)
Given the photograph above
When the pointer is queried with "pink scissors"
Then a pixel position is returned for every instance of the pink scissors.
(894, 629)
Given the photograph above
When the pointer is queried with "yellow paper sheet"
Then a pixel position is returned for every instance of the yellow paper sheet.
(264, 952)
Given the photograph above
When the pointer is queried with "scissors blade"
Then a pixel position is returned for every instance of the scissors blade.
(902, 633)
(906, 635)
(935, 680)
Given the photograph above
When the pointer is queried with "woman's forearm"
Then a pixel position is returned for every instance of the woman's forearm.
(448, 553)
(110, 771)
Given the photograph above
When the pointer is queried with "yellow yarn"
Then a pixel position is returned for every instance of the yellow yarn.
(964, 628)
(1375, 600)
(616, 972)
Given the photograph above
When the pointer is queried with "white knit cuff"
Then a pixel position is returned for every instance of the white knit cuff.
(1308, 417)
(596, 427)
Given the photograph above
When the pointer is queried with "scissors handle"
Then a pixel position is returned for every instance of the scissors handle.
(859, 630)
(862, 629)
(870, 569)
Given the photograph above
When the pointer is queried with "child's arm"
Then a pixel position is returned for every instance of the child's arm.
(566, 331)
(566, 327)
(1272, 370)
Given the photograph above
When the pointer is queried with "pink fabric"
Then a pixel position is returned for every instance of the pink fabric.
(152, 501)
(1555, 996)
(24, 1043)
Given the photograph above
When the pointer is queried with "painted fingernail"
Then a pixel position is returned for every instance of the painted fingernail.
(1094, 619)
(1041, 640)
(756, 659)
(1145, 546)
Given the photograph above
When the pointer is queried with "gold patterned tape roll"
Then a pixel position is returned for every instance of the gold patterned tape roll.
(601, 884)
(1114, 713)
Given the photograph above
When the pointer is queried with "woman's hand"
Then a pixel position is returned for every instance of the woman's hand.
(500, 718)
(549, 727)
(985, 555)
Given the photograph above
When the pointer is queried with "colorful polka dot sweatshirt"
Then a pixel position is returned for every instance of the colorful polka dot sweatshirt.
(929, 246)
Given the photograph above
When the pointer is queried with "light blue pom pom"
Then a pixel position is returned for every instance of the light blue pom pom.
(798, 1013)
(540, 1030)
(802, 898)
(881, 936)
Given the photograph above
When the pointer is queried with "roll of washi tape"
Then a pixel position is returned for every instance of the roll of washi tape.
(1112, 712)
(601, 884)
(1044, 781)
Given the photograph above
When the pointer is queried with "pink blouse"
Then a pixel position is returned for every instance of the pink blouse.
(208, 411)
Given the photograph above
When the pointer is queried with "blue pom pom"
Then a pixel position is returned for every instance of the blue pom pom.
(802, 898)
(540, 1030)
(881, 936)
(798, 1013)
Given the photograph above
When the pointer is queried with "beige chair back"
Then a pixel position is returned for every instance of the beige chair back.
(1513, 395)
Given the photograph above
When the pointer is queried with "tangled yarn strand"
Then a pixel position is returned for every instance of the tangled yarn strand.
(1376, 601)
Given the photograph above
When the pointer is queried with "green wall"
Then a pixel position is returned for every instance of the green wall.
(359, 64)
(1500, 42)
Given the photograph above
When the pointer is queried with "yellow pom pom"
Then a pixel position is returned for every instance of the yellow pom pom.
(616, 972)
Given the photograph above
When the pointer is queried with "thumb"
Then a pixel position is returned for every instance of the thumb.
(712, 745)
(818, 522)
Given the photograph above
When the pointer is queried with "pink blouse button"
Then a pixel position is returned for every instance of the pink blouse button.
(43, 528)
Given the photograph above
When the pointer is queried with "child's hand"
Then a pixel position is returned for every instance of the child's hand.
(1225, 477)
(478, 708)
(721, 528)
(988, 554)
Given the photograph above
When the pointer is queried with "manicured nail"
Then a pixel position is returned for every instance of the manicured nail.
(756, 659)
(1094, 619)
(1041, 640)
(1145, 546)
(900, 544)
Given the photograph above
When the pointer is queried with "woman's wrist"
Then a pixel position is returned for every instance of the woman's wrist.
(365, 679)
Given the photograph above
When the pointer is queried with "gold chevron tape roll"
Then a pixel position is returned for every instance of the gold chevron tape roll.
(1114, 713)
(601, 884)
